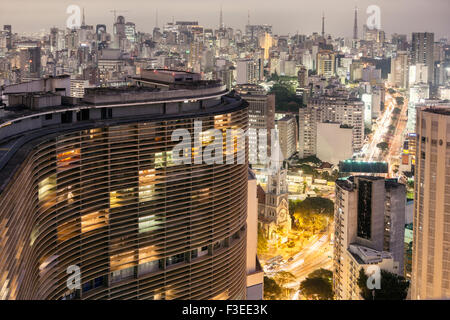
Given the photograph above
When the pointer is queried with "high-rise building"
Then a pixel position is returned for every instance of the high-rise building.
(399, 70)
(119, 33)
(334, 142)
(130, 32)
(343, 110)
(369, 222)
(255, 273)
(261, 116)
(400, 41)
(422, 51)
(431, 243)
(374, 35)
(247, 72)
(34, 55)
(266, 42)
(77, 87)
(326, 64)
(94, 188)
(287, 133)
(302, 77)
(8, 31)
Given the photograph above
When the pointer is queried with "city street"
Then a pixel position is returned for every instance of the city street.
(316, 254)
(381, 134)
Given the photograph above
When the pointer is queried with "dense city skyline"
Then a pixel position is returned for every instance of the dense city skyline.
(401, 16)
(203, 150)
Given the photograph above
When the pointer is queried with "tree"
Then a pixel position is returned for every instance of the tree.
(272, 291)
(318, 285)
(316, 205)
(313, 213)
(311, 159)
(400, 101)
(383, 146)
(283, 278)
(285, 96)
(322, 273)
(396, 111)
(392, 287)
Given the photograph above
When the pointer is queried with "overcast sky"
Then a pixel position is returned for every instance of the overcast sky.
(286, 16)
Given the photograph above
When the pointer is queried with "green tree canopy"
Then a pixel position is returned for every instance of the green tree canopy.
(383, 146)
(272, 291)
(316, 205)
(322, 273)
(312, 214)
(284, 277)
(285, 96)
(318, 285)
(400, 101)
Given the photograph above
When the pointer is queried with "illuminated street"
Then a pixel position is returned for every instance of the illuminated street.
(316, 254)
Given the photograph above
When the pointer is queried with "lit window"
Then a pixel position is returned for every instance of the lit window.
(147, 224)
(122, 260)
(93, 221)
(65, 159)
(68, 230)
(120, 197)
(47, 188)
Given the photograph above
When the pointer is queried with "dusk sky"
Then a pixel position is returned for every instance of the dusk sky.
(286, 16)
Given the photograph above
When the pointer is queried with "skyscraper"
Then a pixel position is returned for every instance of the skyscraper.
(35, 61)
(94, 187)
(399, 70)
(369, 221)
(431, 243)
(422, 51)
(326, 63)
(8, 30)
(247, 72)
(287, 127)
(261, 115)
(343, 110)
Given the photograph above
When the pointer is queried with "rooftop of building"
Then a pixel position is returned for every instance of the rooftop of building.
(287, 117)
(348, 183)
(99, 96)
(442, 109)
(365, 255)
(355, 166)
